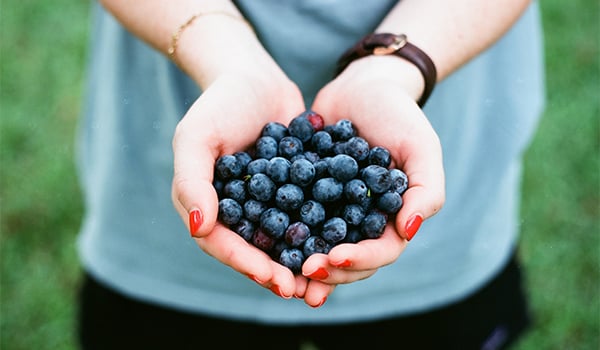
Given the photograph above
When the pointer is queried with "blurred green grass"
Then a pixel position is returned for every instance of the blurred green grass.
(43, 51)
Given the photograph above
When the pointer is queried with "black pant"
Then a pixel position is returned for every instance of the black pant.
(492, 318)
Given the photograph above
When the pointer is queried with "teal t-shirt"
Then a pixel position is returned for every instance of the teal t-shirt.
(133, 240)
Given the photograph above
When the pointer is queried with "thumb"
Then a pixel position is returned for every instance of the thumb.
(193, 193)
(425, 195)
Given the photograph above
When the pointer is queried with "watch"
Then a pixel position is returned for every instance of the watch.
(392, 44)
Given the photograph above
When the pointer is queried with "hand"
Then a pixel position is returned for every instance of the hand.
(378, 95)
(227, 118)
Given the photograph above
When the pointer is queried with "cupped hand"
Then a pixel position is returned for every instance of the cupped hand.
(378, 95)
(227, 118)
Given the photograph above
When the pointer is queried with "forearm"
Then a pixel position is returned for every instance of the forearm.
(216, 42)
(452, 33)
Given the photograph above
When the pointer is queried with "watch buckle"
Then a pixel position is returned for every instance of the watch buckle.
(399, 42)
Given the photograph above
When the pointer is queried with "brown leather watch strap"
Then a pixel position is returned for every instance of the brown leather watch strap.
(392, 44)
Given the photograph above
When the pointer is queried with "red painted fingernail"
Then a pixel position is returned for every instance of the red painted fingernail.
(344, 263)
(254, 278)
(275, 289)
(412, 226)
(195, 221)
(319, 274)
(321, 303)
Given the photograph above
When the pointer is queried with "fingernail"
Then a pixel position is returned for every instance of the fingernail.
(195, 221)
(255, 279)
(412, 226)
(343, 263)
(321, 303)
(275, 289)
(319, 274)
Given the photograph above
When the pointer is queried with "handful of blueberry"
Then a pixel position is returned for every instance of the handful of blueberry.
(304, 188)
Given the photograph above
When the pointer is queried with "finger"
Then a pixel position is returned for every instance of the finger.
(193, 193)
(347, 263)
(317, 293)
(233, 251)
(425, 194)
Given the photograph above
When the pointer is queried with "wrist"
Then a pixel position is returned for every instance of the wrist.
(373, 70)
(215, 45)
(395, 45)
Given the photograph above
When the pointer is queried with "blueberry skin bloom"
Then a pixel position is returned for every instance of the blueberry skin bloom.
(245, 228)
(373, 224)
(302, 172)
(289, 197)
(292, 258)
(312, 213)
(228, 167)
(230, 211)
(322, 143)
(275, 130)
(380, 156)
(301, 128)
(353, 214)
(296, 234)
(235, 189)
(327, 190)
(356, 191)
(343, 167)
(274, 222)
(334, 230)
(314, 245)
(290, 146)
(266, 147)
(358, 148)
(253, 209)
(261, 187)
(390, 202)
(377, 178)
(279, 169)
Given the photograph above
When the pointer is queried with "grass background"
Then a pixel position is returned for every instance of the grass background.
(43, 50)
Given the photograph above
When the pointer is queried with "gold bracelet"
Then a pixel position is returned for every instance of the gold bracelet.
(177, 34)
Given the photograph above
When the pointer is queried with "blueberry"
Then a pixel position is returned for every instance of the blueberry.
(245, 228)
(380, 156)
(356, 191)
(343, 130)
(266, 147)
(312, 213)
(302, 172)
(289, 197)
(290, 146)
(343, 167)
(230, 211)
(389, 202)
(228, 167)
(334, 230)
(327, 189)
(235, 189)
(315, 119)
(274, 222)
(353, 235)
(243, 158)
(357, 148)
(292, 258)
(301, 128)
(218, 184)
(321, 167)
(322, 143)
(262, 240)
(339, 147)
(399, 181)
(353, 214)
(311, 156)
(315, 245)
(256, 166)
(279, 169)
(296, 234)
(277, 248)
(373, 224)
(253, 209)
(275, 130)
(261, 187)
(377, 178)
